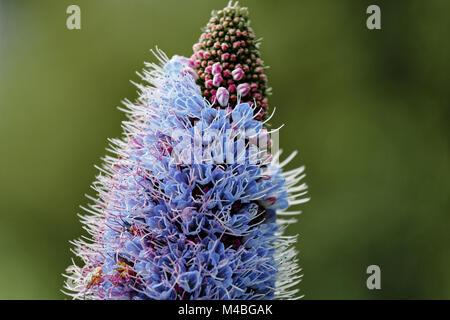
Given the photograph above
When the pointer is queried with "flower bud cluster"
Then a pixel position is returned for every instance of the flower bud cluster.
(227, 63)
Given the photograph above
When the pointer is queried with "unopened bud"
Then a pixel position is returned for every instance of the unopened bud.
(238, 74)
(216, 68)
(217, 80)
(222, 96)
(191, 72)
(243, 89)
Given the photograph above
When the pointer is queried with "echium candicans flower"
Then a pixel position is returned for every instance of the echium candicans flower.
(172, 221)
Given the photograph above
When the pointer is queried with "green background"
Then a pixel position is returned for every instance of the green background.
(367, 110)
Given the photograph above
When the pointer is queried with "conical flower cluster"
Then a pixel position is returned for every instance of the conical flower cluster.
(227, 61)
(190, 204)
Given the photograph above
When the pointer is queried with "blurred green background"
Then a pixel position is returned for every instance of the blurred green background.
(367, 110)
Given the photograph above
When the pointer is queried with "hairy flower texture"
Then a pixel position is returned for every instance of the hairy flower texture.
(164, 229)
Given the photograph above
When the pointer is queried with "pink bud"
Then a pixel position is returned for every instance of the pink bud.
(238, 74)
(226, 73)
(236, 44)
(217, 80)
(222, 96)
(196, 46)
(216, 68)
(257, 96)
(225, 56)
(208, 69)
(206, 55)
(243, 89)
(191, 72)
(254, 86)
(208, 84)
(232, 88)
(224, 46)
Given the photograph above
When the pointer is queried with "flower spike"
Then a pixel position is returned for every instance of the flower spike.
(190, 204)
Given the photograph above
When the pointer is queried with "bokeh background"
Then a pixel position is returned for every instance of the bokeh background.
(367, 110)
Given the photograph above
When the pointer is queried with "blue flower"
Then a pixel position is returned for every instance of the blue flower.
(162, 229)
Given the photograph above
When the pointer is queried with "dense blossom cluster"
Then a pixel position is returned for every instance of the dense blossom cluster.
(164, 230)
(227, 62)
